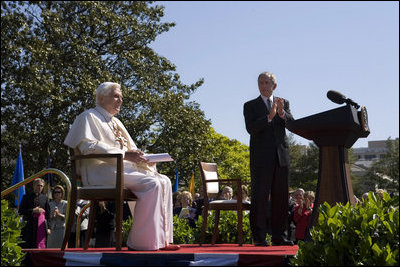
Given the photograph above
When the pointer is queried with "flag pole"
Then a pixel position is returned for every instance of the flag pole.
(19, 191)
(18, 177)
(191, 185)
(49, 176)
(175, 189)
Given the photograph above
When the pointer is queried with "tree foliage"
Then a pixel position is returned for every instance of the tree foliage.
(384, 173)
(231, 156)
(55, 54)
(304, 162)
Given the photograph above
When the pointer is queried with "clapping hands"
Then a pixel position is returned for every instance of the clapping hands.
(277, 106)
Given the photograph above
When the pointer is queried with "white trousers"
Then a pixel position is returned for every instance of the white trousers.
(152, 227)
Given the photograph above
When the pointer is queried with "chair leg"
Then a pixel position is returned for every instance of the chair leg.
(69, 222)
(203, 229)
(92, 220)
(215, 235)
(240, 226)
(118, 224)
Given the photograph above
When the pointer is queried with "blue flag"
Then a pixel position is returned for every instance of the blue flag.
(175, 189)
(18, 177)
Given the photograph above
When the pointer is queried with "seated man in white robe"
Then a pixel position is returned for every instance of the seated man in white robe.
(97, 131)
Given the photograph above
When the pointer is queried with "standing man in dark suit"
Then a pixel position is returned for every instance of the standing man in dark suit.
(266, 118)
(35, 210)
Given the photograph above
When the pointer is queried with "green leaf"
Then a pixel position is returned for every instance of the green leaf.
(375, 248)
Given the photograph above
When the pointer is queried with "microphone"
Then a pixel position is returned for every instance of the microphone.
(338, 98)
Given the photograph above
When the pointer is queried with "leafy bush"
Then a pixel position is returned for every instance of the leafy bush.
(184, 234)
(346, 235)
(126, 227)
(11, 225)
(227, 230)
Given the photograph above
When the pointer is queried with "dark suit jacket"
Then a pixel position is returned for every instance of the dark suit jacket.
(26, 210)
(266, 138)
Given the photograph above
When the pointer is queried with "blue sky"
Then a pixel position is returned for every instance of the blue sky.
(311, 47)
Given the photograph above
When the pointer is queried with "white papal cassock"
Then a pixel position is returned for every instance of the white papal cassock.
(97, 131)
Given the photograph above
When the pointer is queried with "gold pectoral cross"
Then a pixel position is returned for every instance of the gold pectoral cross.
(118, 135)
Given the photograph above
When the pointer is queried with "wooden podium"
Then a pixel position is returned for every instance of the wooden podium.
(333, 131)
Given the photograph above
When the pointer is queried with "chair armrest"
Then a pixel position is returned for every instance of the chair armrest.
(223, 181)
(92, 156)
(212, 181)
(237, 182)
(230, 180)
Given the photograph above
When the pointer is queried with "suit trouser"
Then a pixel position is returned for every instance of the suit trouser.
(269, 201)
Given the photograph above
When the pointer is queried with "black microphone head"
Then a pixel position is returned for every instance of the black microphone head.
(336, 97)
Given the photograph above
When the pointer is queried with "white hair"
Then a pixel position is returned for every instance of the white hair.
(105, 88)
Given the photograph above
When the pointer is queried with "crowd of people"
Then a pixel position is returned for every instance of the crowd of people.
(45, 217)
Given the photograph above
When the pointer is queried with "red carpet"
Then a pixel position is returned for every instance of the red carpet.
(187, 255)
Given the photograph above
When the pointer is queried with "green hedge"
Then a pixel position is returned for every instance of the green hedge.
(228, 233)
(346, 235)
(184, 234)
(11, 225)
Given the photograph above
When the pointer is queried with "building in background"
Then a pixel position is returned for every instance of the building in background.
(367, 155)
(375, 150)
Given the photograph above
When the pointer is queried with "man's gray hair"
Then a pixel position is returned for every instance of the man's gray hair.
(270, 76)
(105, 88)
(38, 180)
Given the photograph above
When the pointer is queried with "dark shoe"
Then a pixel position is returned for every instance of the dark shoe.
(171, 247)
(283, 243)
(264, 243)
(131, 249)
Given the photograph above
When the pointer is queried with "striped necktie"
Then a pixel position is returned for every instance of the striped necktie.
(268, 104)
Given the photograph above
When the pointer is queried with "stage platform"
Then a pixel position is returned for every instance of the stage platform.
(187, 255)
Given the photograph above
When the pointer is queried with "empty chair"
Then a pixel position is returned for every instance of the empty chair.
(211, 184)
